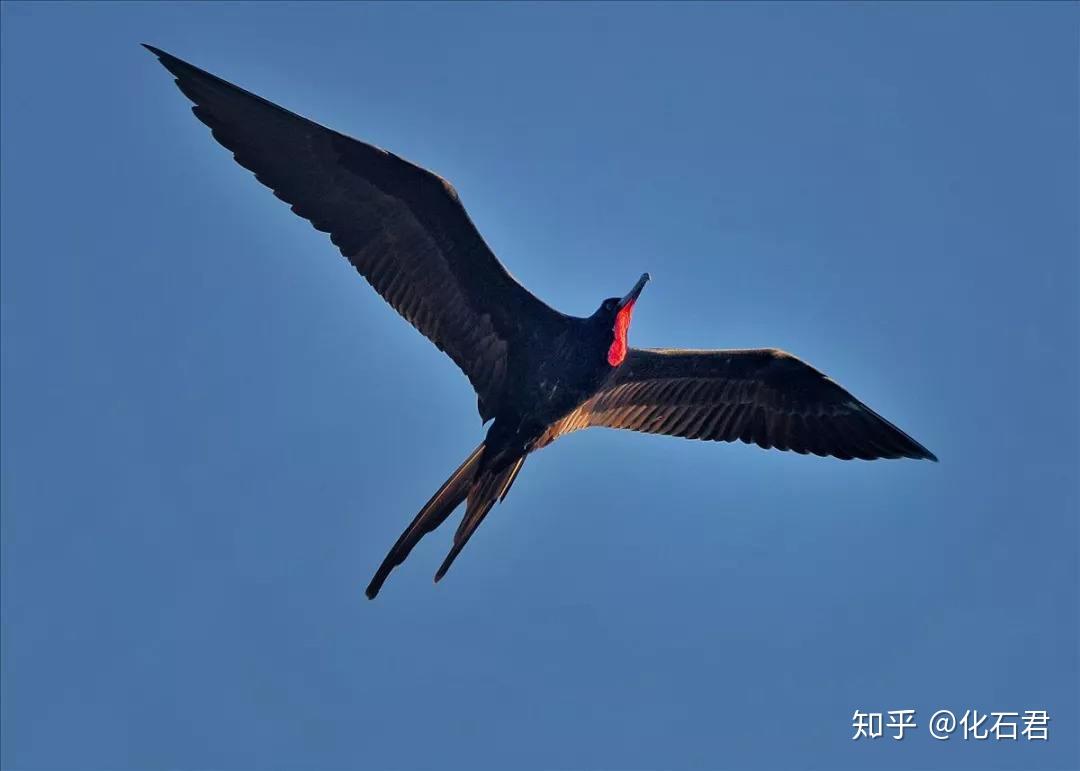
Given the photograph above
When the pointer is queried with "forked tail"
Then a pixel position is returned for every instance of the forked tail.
(434, 513)
(482, 485)
(490, 487)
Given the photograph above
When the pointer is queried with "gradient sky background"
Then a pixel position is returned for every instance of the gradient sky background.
(213, 430)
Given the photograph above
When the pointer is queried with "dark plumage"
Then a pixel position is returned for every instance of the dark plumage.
(538, 373)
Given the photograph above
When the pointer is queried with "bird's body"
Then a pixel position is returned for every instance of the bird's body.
(538, 373)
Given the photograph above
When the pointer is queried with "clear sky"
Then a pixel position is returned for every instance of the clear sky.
(213, 429)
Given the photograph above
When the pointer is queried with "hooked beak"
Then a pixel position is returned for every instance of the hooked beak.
(632, 296)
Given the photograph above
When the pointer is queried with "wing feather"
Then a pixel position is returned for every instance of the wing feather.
(763, 396)
(402, 227)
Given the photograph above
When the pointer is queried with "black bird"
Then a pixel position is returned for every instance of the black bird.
(538, 373)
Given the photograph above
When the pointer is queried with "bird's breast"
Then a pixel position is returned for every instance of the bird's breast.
(554, 376)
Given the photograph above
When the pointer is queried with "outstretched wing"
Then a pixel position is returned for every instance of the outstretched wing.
(402, 227)
(766, 397)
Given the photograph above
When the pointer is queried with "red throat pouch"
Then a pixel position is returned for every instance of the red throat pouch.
(617, 352)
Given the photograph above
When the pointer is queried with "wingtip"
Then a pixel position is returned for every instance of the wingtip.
(167, 59)
(922, 453)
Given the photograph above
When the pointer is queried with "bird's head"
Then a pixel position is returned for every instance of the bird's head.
(613, 316)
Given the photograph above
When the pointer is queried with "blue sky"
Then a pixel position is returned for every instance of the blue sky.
(213, 430)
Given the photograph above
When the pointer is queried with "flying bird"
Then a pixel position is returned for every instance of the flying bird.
(538, 373)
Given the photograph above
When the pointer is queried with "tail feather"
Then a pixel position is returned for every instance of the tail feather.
(510, 479)
(491, 487)
(434, 513)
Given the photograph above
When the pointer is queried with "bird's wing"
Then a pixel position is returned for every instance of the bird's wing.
(401, 226)
(766, 397)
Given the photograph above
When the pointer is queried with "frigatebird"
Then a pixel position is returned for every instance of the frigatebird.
(538, 373)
